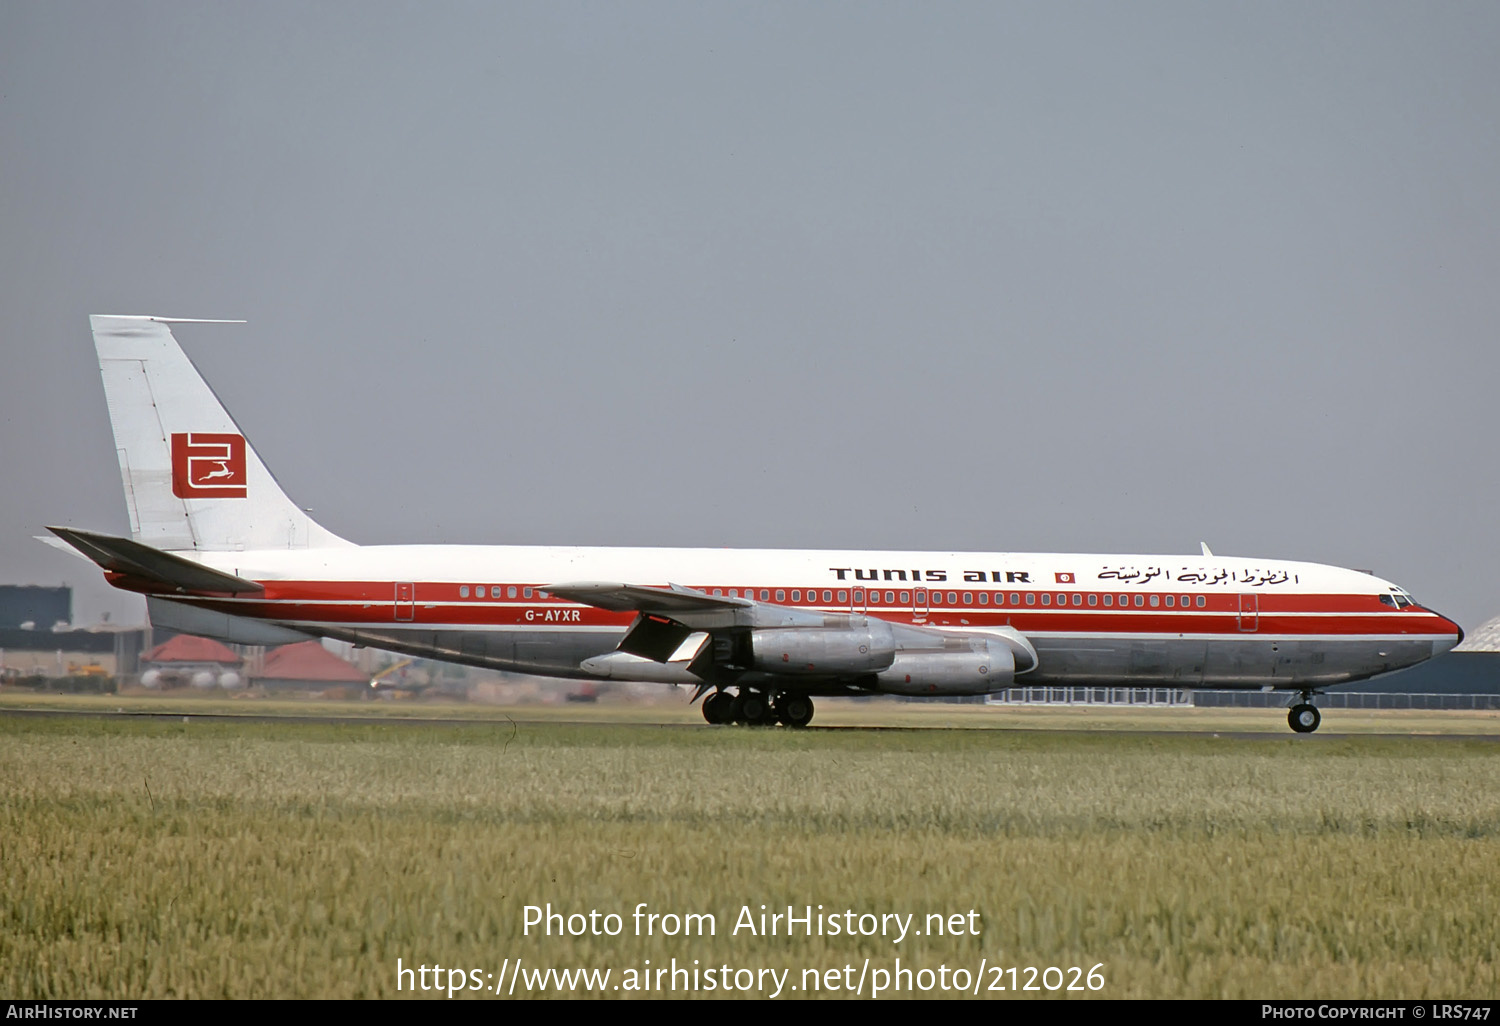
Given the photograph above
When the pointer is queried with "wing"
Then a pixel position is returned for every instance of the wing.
(671, 628)
(622, 598)
(692, 635)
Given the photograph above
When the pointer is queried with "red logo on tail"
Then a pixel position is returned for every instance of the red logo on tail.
(208, 466)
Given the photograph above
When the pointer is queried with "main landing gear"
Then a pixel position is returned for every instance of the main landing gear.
(1304, 716)
(757, 708)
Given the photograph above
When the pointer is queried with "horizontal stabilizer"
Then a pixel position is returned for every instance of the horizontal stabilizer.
(61, 546)
(123, 556)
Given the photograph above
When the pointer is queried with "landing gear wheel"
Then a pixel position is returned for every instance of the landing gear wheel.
(794, 710)
(719, 708)
(1304, 718)
(752, 708)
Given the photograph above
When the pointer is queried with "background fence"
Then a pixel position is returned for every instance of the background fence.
(1190, 698)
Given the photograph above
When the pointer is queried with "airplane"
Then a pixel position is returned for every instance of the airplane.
(218, 549)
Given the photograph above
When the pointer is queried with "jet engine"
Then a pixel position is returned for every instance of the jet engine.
(965, 666)
(867, 648)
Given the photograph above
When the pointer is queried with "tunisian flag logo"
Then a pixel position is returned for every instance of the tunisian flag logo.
(1064, 578)
(208, 466)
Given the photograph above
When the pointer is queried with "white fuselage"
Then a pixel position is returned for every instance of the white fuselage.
(1127, 619)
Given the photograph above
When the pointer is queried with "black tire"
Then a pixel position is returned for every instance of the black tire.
(1304, 718)
(793, 709)
(751, 707)
(718, 708)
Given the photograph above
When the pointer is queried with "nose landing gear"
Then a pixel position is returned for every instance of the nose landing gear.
(1304, 716)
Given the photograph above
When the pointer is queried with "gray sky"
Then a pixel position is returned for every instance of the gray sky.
(1077, 277)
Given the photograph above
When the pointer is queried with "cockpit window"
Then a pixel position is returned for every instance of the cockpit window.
(1389, 600)
(1398, 598)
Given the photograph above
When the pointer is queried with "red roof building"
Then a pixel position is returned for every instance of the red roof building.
(307, 662)
(185, 648)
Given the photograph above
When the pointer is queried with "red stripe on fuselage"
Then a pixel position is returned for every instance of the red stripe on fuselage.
(354, 603)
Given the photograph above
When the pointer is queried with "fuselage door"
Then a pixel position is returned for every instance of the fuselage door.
(406, 600)
(1249, 611)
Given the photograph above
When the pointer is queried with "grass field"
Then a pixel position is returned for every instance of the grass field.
(143, 858)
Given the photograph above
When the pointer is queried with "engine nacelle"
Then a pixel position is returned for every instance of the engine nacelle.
(868, 648)
(980, 667)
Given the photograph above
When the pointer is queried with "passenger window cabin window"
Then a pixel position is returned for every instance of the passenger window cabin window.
(843, 596)
(890, 598)
(905, 596)
(1031, 598)
(968, 598)
(1155, 601)
(827, 595)
(1187, 600)
(953, 598)
(463, 591)
(719, 592)
(1140, 600)
(1077, 599)
(859, 596)
(526, 592)
(765, 594)
(796, 595)
(922, 597)
(984, 598)
(1046, 598)
(1171, 601)
(780, 594)
(510, 592)
(1015, 598)
(1109, 600)
(1201, 603)
(1093, 600)
(1062, 600)
(1124, 600)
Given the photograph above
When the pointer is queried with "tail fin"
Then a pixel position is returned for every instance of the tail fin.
(192, 481)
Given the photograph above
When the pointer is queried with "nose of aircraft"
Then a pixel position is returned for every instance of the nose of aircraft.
(1443, 645)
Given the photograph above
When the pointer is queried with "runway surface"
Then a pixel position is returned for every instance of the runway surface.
(178, 716)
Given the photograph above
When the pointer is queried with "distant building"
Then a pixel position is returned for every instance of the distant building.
(1484, 638)
(187, 660)
(1455, 673)
(69, 653)
(307, 665)
(38, 607)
